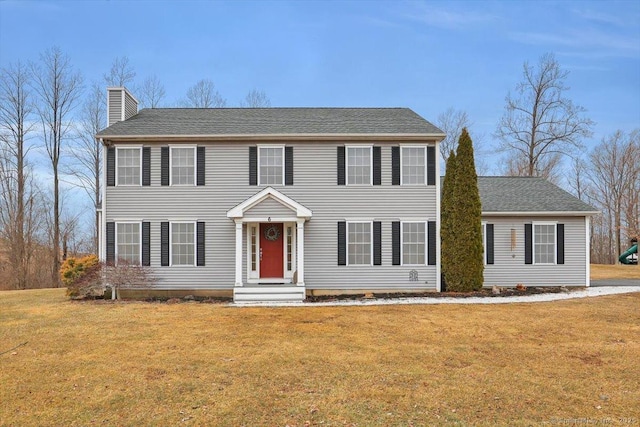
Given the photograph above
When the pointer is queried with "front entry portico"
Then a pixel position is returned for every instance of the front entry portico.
(274, 247)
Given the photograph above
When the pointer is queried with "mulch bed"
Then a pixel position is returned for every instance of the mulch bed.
(484, 293)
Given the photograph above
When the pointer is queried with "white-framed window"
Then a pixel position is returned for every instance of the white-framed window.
(271, 165)
(183, 243)
(359, 243)
(183, 165)
(253, 241)
(414, 243)
(289, 252)
(359, 165)
(129, 166)
(128, 243)
(413, 164)
(544, 243)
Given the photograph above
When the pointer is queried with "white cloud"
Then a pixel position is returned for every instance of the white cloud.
(604, 18)
(584, 42)
(431, 15)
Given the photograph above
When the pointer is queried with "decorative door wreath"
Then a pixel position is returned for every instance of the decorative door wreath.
(272, 233)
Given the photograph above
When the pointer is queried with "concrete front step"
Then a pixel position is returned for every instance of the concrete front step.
(265, 293)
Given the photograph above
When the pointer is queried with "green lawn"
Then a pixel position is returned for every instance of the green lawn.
(134, 363)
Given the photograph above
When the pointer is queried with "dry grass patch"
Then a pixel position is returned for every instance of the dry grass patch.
(618, 271)
(204, 364)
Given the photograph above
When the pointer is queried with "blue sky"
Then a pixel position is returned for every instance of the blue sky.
(426, 55)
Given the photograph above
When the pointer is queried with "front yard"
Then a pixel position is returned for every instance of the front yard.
(615, 271)
(135, 363)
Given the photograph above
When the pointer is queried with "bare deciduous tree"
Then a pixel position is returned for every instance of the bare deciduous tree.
(204, 95)
(549, 167)
(151, 92)
(451, 122)
(15, 125)
(58, 87)
(631, 202)
(539, 123)
(256, 99)
(121, 73)
(86, 155)
(614, 176)
(577, 178)
(25, 266)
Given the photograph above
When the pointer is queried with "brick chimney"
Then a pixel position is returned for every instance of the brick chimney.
(120, 105)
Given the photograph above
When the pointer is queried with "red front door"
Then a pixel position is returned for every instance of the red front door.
(271, 250)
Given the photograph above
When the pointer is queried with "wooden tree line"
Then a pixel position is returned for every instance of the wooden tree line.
(45, 107)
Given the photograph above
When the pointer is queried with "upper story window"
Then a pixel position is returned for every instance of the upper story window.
(359, 243)
(413, 243)
(544, 243)
(413, 165)
(128, 166)
(183, 165)
(359, 165)
(183, 243)
(128, 243)
(271, 165)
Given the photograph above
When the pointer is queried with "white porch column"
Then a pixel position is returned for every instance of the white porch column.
(300, 252)
(238, 253)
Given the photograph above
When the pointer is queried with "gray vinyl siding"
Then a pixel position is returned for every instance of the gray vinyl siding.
(115, 106)
(509, 268)
(268, 208)
(227, 169)
(130, 106)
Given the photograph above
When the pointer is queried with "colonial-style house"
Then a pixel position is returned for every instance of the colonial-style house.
(272, 204)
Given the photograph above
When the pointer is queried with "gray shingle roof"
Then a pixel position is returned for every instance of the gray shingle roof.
(519, 194)
(526, 194)
(270, 121)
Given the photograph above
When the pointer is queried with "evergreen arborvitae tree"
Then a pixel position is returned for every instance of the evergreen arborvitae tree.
(465, 264)
(448, 250)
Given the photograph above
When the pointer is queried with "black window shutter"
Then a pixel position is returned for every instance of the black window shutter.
(342, 243)
(146, 244)
(560, 247)
(111, 242)
(200, 165)
(528, 244)
(431, 165)
(341, 171)
(146, 166)
(489, 243)
(377, 166)
(395, 242)
(395, 165)
(111, 167)
(164, 243)
(164, 166)
(200, 244)
(253, 165)
(377, 243)
(288, 165)
(431, 231)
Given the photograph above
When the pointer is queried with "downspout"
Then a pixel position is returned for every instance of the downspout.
(103, 226)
